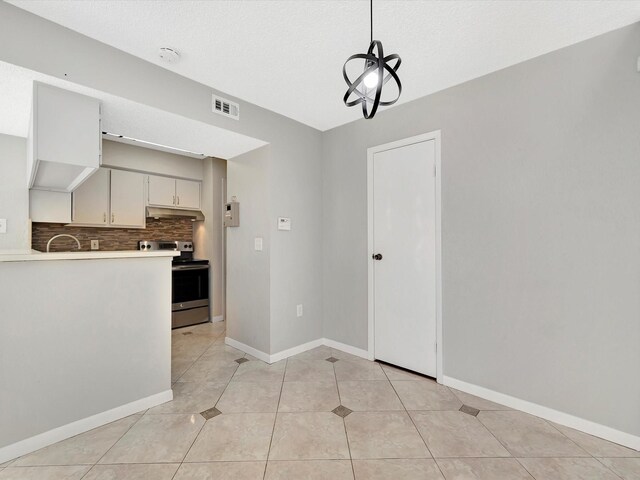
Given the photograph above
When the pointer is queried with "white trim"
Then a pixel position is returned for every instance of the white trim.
(295, 350)
(63, 432)
(343, 347)
(276, 357)
(219, 318)
(435, 135)
(260, 355)
(439, 336)
(547, 413)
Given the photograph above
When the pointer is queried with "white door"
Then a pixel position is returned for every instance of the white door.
(127, 199)
(162, 191)
(404, 235)
(187, 194)
(91, 200)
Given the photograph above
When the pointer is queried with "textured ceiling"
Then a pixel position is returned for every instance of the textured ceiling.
(120, 116)
(287, 56)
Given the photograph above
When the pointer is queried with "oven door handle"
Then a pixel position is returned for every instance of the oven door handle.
(191, 267)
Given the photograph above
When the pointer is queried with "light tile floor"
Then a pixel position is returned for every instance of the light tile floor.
(275, 422)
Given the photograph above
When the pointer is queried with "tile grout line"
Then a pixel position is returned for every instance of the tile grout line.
(205, 422)
(566, 436)
(413, 423)
(516, 457)
(609, 468)
(275, 418)
(114, 443)
(344, 420)
(525, 468)
(199, 357)
(505, 447)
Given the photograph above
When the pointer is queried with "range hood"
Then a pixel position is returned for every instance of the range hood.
(155, 212)
(64, 146)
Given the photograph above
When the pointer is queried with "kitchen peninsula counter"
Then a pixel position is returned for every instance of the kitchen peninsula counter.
(36, 256)
(85, 339)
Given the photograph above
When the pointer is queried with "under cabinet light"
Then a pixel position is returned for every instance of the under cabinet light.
(159, 145)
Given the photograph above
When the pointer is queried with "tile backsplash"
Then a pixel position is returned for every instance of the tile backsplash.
(111, 239)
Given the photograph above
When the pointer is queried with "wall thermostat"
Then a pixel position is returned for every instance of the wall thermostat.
(284, 223)
(232, 214)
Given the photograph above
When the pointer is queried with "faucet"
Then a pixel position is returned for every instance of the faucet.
(62, 235)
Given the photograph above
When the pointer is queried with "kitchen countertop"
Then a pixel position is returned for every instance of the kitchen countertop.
(34, 256)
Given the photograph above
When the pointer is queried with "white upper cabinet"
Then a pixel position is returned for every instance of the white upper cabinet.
(162, 191)
(127, 199)
(187, 194)
(51, 207)
(110, 198)
(65, 140)
(90, 202)
(173, 193)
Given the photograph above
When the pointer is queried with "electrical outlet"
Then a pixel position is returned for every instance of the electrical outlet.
(299, 310)
(95, 244)
(3, 225)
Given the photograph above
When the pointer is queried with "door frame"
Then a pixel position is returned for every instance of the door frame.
(435, 136)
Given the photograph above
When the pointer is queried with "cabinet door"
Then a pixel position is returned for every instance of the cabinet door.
(127, 199)
(91, 199)
(187, 194)
(162, 191)
(50, 207)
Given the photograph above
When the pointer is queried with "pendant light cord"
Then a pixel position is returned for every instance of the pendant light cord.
(371, 16)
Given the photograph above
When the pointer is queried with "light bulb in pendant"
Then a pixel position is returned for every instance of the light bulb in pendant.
(371, 80)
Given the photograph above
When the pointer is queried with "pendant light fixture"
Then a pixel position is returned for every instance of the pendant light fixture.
(367, 88)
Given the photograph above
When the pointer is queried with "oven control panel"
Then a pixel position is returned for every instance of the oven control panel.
(177, 246)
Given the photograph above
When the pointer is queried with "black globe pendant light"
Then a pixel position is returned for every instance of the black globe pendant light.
(366, 90)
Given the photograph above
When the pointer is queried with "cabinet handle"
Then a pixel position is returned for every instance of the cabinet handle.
(178, 197)
(174, 199)
(104, 217)
(113, 218)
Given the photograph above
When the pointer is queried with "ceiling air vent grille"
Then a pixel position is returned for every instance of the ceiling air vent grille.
(225, 107)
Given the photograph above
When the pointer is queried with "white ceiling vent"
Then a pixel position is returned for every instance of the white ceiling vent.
(225, 107)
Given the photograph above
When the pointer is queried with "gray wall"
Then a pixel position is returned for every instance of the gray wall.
(296, 263)
(14, 195)
(540, 227)
(133, 157)
(295, 154)
(248, 270)
(208, 236)
(105, 344)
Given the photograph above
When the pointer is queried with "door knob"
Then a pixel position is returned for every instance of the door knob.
(377, 256)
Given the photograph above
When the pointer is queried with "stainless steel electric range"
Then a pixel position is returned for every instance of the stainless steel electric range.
(190, 283)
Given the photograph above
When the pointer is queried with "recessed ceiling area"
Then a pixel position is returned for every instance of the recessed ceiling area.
(119, 116)
(287, 56)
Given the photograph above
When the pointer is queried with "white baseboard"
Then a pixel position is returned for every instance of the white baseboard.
(260, 355)
(343, 347)
(295, 350)
(219, 318)
(50, 437)
(265, 357)
(586, 426)
(547, 413)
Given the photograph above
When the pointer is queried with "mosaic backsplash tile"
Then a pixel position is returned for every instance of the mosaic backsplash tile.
(111, 239)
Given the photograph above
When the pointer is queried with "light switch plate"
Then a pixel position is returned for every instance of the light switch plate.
(95, 244)
(299, 310)
(284, 223)
(3, 225)
(257, 244)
